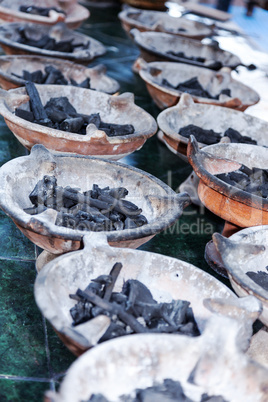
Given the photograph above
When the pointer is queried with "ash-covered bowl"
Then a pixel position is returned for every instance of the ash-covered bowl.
(208, 117)
(213, 364)
(167, 278)
(165, 80)
(112, 109)
(87, 50)
(12, 70)
(72, 13)
(160, 46)
(159, 203)
(227, 201)
(146, 20)
(247, 251)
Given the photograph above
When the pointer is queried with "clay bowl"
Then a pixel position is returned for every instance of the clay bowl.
(246, 251)
(154, 46)
(113, 109)
(208, 117)
(73, 16)
(9, 36)
(229, 202)
(159, 203)
(166, 277)
(153, 73)
(212, 363)
(145, 20)
(10, 65)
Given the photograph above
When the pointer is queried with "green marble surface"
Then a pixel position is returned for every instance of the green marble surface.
(32, 358)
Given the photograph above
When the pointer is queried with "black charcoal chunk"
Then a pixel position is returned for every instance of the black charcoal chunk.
(205, 136)
(259, 277)
(24, 114)
(235, 136)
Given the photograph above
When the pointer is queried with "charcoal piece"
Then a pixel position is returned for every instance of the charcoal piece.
(26, 75)
(55, 115)
(83, 84)
(142, 292)
(43, 11)
(36, 76)
(35, 103)
(35, 210)
(110, 286)
(225, 91)
(97, 398)
(64, 46)
(113, 130)
(235, 136)
(72, 125)
(119, 192)
(62, 103)
(183, 56)
(259, 277)
(191, 86)
(52, 75)
(168, 391)
(140, 220)
(24, 114)
(70, 197)
(43, 190)
(81, 312)
(214, 65)
(216, 398)
(130, 224)
(205, 136)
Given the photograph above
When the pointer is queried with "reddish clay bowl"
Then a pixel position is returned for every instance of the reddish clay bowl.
(208, 117)
(166, 277)
(145, 20)
(146, 4)
(74, 15)
(229, 202)
(9, 36)
(10, 65)
(113, 109)
(155, 46)
(214, 82)
(246, 250)
(159, 203)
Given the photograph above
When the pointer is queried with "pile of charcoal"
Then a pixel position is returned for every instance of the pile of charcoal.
(259, 277)
(43, 11)
(96, 210)
(133, 310)
(51, 76)
(48, 43)
(253, 181)
(58, 113)
(210, 137)
(194, 88)
(213, 64)
(168, 391)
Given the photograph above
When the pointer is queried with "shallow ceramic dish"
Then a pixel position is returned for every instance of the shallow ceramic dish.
(214, 82)
(213, 363)
(9, 36)
(159, 203)
(208, 117)
(230, 203)
(113, 109)
(246, 250)
(74, 15)
(145, 20)
(154, 46)
(166, 277)
(10, 65)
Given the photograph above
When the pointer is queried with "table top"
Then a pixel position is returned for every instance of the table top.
(33, 359)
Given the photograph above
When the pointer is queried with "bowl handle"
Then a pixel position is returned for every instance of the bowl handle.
(12, 99)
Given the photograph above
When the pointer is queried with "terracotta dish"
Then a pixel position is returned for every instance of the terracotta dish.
(154, 73)
(156, 46)
(208, 117)
(145, 20)
(246, 251)
(9, 36)
(230, 203)
(167, 279)
(159, 203)
(74, 15)
(10, 65)
(113, 109)
(213, 363)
